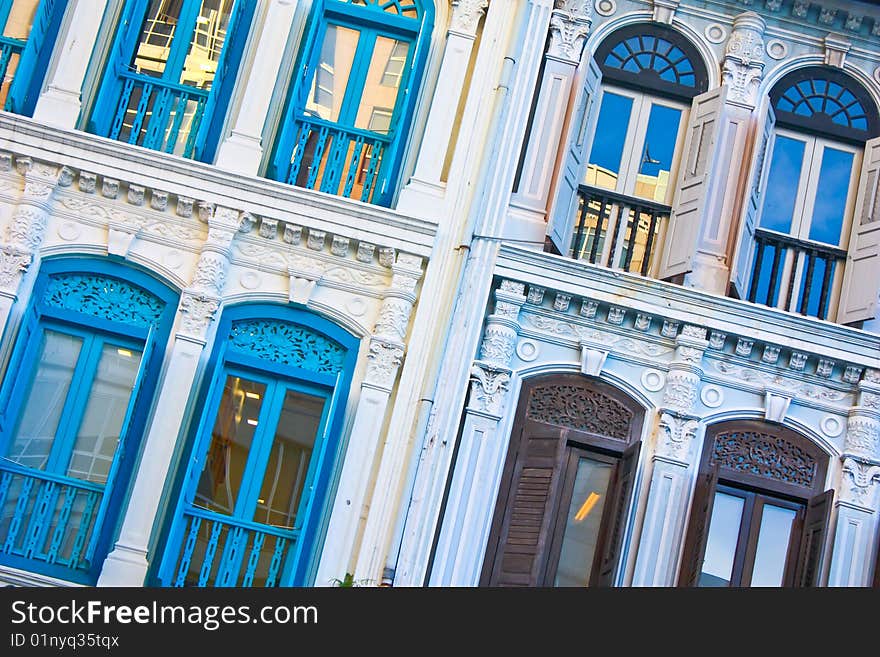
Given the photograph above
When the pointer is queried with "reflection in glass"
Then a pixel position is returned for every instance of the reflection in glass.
(288, 465)
(582, 522)
(38, 425)
(231, 438)
(830, 206)
(332, 73)
(721, 543)
(378, 94)
(99, 431)
(772, 550)
(782, 184)
(206, 44)
(607, 152)
(656, 160)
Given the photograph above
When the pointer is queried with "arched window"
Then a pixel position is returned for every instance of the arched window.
(264, 452)
(170, 72)
(759, 515)
(29, 29)
(815, 149)
(348, 112)
(73, 406)
(568, 479)
(649, 76)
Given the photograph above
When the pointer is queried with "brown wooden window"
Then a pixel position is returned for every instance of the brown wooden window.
(758, 517)
(565, 494)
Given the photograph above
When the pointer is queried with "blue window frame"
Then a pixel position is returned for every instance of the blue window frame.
(170, 73)
(29, 29)
(73, 407)
(251, 503)
(346, 117)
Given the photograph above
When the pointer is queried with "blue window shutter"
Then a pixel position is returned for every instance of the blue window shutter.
(35, 57)
(119, 58)
(26, 344)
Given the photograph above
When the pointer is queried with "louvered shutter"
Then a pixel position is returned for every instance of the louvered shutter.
(528, 510)
(24, 90)
(698, 529)
(580, 139)
(816, 519)
(741, 269)
(861, 278)
(24, 355)
(616, 514)
(697, 182)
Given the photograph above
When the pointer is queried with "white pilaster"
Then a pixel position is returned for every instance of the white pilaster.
(60, 103)
(426, 184)
(242, 150)
(674, 462)
(127, 563)
(385, 355)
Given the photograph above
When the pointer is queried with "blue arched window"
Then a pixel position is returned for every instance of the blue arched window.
(348, 111)
(29, 29)
(170, 74)
(73, 406)
(263, 455)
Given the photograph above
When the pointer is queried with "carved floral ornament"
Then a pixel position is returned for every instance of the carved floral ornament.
(569, 27)
(765, 455)
(466, 15)
(580, 409)
(859, 481)
(383, 361)
(676, 434)
(489, 385)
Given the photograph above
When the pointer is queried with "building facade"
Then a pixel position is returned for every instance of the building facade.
(508, 293)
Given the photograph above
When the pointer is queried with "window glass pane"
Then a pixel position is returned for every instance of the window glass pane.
(772, 547)
(655, 165)
(332, 73)
(582, 522)
(20, 19)
(231, 438)
(782, 184)
(830, 206)
(157, 33)
(288, 464)
(607, 151)
(206, 43)
(99, 431)
(377, 94)
(45, 399)
(721, 543)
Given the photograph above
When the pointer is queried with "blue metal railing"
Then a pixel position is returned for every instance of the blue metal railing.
(48, 518)
(341, 161)
(217, 550)
(159, 115)
(10, 50)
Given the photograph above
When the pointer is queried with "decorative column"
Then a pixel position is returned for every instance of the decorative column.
(242, 151)
(858, 501)
(387, 346)
(27, 228)
(127, 563)
(674, 454)
(60, 103)
(426, 181)
(742, 72)
(481, 451)
(570, 25)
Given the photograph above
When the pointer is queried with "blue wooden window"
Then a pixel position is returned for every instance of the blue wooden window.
(264, 453)
(29, 29)
(170, 74)
(346, 118)
(72, 410)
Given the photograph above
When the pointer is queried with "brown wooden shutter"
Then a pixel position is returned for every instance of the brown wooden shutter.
(614, 518)
(580, 139)
(861, 277)
(527, 514)
(741, 269)
(698, 182)
(698, 528)
(816, 519)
